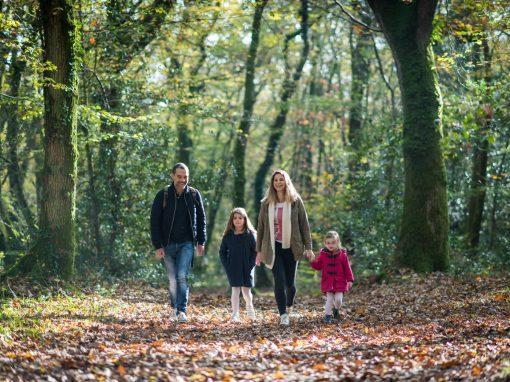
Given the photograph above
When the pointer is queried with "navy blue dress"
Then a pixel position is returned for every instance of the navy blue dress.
(237, 255)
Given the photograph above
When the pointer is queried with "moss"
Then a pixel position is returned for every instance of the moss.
(424, 232)
(54, 249)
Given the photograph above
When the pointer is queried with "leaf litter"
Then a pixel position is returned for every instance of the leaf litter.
(420, 328)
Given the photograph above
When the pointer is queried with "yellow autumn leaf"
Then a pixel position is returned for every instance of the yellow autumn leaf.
(198, 377)
(278, 375)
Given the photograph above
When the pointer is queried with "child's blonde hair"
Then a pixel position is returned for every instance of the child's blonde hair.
(247, 223)
(333, 235)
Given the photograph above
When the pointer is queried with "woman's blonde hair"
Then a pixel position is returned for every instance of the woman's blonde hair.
(333, 235)
(291, 195)
(247, 223)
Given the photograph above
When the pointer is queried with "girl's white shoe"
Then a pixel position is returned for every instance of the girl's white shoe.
(235, 317)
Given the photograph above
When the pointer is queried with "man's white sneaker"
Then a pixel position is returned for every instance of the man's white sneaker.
(235, 317)
(284, 319)
(251, 314)
(181, 317)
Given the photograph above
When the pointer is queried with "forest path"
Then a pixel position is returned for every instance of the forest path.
(414, 328)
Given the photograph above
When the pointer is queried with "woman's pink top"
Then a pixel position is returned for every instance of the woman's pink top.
(278, 217)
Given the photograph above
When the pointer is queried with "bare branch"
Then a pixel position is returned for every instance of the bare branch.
(355, 20)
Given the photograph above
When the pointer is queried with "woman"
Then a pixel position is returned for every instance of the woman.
(283, 238)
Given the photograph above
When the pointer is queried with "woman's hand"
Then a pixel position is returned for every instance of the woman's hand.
(258, 259)
(309, 254)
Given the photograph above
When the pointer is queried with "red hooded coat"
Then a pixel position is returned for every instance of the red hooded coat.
(336, 270)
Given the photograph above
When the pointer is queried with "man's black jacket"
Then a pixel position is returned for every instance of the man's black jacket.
(162, 218)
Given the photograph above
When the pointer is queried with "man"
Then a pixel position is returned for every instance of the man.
(177, 225)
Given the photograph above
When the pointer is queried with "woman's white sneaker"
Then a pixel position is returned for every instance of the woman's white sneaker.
(284, 319)
(250, 313)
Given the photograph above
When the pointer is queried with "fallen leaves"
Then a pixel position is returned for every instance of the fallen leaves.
(434, 327)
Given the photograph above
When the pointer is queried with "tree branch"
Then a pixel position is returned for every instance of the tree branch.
(355, 20)
(379, 64)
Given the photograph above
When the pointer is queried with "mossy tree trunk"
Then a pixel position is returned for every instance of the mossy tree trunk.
(248, 104)
(407, 26)
(55, 246)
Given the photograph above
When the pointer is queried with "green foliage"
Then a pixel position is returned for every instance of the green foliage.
(141, 77)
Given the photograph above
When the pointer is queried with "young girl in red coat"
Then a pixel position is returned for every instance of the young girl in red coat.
(336, 277)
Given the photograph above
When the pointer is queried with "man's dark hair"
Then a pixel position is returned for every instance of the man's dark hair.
(180, 165)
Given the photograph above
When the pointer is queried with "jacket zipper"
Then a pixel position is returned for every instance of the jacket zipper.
(190, 221)
(173, 218)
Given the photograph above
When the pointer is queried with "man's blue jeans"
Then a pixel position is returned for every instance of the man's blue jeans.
(178, 258)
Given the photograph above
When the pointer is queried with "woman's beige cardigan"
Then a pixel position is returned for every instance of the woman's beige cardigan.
(299, 239)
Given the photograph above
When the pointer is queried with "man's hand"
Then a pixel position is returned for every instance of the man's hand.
(258, 259)
(200, 250)
(160, 253)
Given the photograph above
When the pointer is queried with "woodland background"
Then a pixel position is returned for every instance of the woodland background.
(236, 89)
(391, 117)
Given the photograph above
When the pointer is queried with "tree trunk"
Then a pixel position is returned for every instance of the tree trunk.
(183, 135)
(480, 154)
(276, 130)
(495, 197)
(219, 187)
(360, 45)
(407, 26)
(289, 86)
(94, 220)
(55, 247)
(13, 138)
(248, 104)
(108, 154)
(126, 44)
(390, 157)
(182, 77)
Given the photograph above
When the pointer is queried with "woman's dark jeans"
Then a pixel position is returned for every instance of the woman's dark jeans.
(284, 273)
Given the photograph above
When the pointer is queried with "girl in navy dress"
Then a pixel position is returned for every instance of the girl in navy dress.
(237, 254)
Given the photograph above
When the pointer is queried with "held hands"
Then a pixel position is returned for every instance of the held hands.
(349, 285)
(309, 254)
(200, 250)
(160, 253)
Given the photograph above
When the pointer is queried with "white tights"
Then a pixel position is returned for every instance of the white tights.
(248, 298)
(333, 299)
